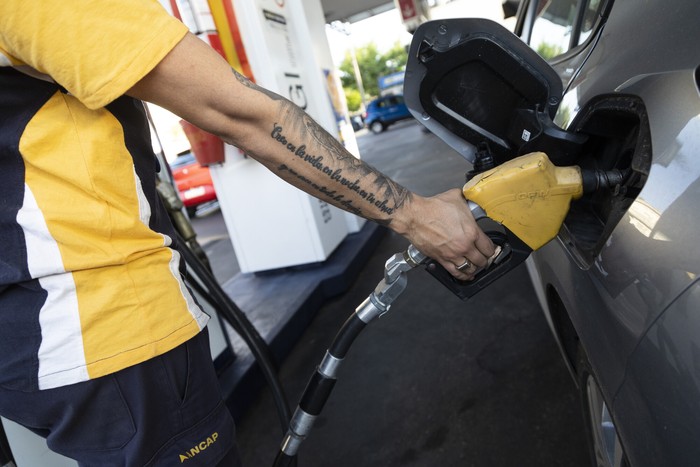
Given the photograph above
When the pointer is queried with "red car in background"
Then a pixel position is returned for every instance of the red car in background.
(193, 182)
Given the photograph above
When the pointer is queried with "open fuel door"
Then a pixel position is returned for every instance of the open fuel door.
(473, 83)
(492, 98)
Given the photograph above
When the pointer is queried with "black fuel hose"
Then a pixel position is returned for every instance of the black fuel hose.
(320, 385)
(323, 380)
(234, 316)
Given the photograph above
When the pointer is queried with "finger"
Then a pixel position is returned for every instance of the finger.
(466, 266)
(475, 257)
(462, 275)
(489, 261)
(485, 246)
(469, 267)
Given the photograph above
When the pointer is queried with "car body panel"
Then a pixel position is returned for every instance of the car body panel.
(632, 303)
(618, 304)
(646, 261)
(653, 399)
(674, 128)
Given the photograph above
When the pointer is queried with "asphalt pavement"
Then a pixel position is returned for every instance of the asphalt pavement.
(436, 382)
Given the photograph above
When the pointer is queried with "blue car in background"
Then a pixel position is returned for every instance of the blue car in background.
(384, 111)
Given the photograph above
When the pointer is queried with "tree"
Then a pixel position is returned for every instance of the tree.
(352, 96)
(372, 64)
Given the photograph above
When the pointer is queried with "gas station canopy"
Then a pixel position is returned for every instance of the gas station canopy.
(343, 10)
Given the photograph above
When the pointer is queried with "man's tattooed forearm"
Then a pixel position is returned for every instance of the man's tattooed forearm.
(329, 143)
(391, 189)
(387, 195)
(331, 195)
(249, 84)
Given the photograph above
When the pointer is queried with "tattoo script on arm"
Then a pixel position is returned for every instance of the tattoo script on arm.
(339, 168)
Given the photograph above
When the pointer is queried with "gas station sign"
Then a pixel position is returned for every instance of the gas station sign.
(413, 13)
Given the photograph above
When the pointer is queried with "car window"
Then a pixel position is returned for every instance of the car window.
(590, 14)
(553, 26)
(556, 22)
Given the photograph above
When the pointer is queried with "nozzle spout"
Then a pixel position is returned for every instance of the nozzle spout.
(594, 180)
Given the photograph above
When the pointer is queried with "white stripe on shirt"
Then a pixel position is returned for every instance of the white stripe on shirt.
(62, 346)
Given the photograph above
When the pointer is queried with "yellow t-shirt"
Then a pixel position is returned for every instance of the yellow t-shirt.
(88, 282)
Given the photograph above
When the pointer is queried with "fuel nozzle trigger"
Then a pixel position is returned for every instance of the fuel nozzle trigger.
(513, 252)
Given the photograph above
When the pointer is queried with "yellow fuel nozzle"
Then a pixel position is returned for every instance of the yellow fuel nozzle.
(529, 195)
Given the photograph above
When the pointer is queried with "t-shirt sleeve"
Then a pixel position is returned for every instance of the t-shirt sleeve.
(95, 49)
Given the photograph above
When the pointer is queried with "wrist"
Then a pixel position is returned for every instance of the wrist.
(404, 219)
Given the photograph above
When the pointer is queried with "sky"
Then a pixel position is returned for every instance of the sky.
(384, 29)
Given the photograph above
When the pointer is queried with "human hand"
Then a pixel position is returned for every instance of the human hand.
(443, 228)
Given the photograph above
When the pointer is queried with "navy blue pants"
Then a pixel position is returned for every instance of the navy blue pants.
(167, 411)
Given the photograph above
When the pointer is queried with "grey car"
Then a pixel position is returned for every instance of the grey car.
(613, 86)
